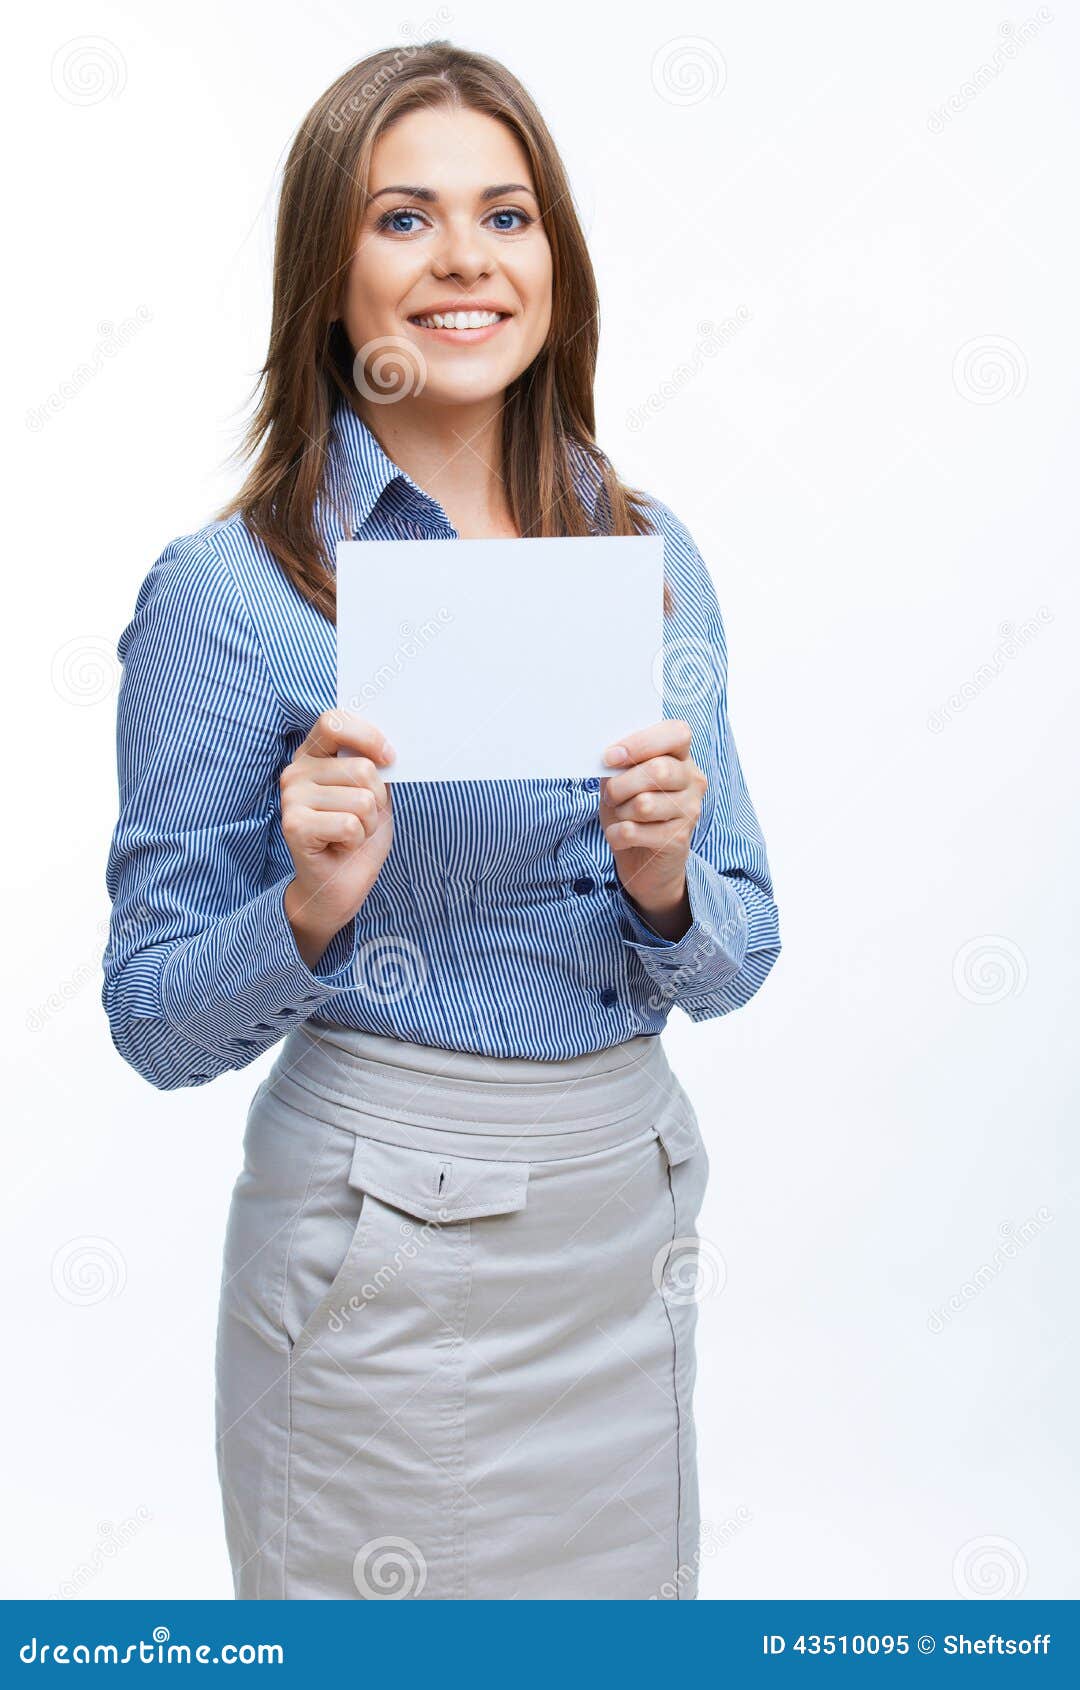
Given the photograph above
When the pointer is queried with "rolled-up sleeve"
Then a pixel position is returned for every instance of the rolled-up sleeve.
(202, 972)
(733, 939)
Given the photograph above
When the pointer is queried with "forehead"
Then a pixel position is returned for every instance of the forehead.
(453, 152)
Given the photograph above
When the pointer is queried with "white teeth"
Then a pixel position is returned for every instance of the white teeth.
(459, 319)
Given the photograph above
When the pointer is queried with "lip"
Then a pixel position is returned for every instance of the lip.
(459, 304)
(461, 337)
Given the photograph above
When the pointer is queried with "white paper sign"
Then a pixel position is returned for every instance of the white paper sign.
(501, 659)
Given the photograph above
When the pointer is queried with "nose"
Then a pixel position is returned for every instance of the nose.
(463, 252)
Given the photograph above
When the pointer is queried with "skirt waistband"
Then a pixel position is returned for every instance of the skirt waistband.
(416, 1094)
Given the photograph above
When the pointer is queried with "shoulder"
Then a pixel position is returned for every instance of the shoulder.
(682, 560)
(192, 613)
(678, 540)
(190, 567)
(696, 607)
(215, 578)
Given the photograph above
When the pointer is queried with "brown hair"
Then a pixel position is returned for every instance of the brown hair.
(308, 366)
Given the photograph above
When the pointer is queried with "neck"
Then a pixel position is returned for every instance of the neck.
(454, 452)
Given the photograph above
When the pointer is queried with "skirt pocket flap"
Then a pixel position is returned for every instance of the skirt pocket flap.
(678, 1130)
(434, 1187)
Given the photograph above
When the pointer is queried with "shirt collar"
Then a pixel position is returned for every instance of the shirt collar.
(359, 472)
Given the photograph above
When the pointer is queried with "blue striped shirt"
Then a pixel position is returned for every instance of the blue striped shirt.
(497, 923)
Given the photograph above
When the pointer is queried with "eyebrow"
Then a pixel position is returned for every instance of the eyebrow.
(431, 196)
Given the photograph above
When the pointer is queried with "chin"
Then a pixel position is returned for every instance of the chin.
(490, 385)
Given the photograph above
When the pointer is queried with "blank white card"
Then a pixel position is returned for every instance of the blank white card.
(501, 659)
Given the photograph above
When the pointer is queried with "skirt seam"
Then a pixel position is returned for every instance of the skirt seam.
(477, 1141)
(418, 1117)
(461, 1545)
(325, 1140)
(675, 1395)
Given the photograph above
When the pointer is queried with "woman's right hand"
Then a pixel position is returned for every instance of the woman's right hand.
(338, 825)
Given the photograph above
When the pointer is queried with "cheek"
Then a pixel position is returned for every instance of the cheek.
(543, 281)
(535, 284)
(540, 316)
(372, 292)
(355, 305)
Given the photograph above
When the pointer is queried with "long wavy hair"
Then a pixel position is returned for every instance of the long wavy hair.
(308, 369)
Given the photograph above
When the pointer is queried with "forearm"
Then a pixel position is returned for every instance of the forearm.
(669, 918)
(311, 929)
(185, 1011)
(709, 949)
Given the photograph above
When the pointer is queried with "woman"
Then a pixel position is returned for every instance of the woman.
(455, 1351)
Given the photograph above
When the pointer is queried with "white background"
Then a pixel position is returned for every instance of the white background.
(879, 466)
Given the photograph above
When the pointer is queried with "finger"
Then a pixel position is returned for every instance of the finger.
(320, 828)
(672, 737)
(654, 837)
(335, 730)
(662, 774)
(342, 771)
(350, 800)
(650, 807)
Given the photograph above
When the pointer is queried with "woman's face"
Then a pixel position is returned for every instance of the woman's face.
(452, 224)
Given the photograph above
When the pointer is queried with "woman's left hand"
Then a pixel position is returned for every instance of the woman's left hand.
(648, 812)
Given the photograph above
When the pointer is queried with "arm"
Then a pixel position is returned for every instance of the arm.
(732, 940)
(202, 970)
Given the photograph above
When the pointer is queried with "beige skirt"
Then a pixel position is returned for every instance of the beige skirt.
(455, 1352)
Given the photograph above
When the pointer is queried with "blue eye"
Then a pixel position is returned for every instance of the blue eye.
(391, 217)
(511, 211)
(391, 221)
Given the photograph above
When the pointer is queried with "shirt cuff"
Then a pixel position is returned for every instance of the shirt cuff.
(709, 953)
(242, 984)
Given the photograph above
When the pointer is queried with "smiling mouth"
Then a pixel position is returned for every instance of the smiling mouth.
(462, 323)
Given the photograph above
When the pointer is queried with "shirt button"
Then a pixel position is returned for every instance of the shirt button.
(607, 997)
(584, 885)
(612, 885)
(591, 783)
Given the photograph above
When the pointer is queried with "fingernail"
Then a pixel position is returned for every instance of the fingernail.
(615, 754)
(388, 751)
